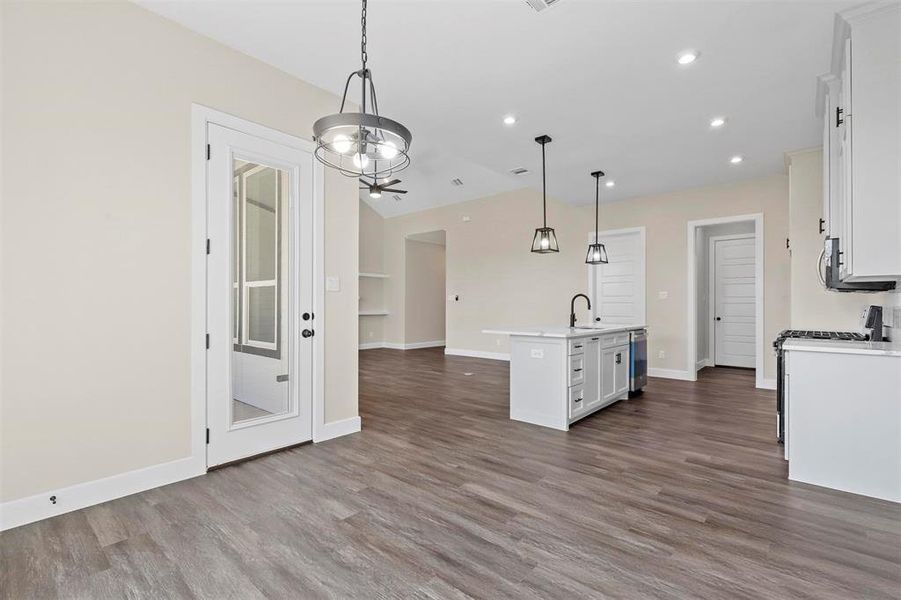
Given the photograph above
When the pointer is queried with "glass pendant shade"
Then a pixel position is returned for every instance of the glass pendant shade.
(597, 254)
(545, 241)
(362, 144)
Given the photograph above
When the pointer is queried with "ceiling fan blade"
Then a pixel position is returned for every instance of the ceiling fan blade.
(389, 183)
(363, 181)
(394, 191)
(364, 187)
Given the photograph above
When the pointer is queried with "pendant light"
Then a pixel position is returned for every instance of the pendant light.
(362, 144)
(545, 239)
(597, 253)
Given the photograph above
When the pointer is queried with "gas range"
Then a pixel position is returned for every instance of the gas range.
(807, 334)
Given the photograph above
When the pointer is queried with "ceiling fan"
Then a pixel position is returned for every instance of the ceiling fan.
(376, 189)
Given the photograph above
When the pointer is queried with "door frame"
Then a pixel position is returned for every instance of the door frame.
(201, 118)
(711, 289)
(691, 341)
(643, 276)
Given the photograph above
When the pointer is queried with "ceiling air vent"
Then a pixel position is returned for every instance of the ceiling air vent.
(456, 181)
(519, 171)
(540, 5)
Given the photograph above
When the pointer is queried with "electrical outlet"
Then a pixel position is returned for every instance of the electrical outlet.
(537, 353)
(497, 342)
(371, 333)
(662, 295)
(661, 354)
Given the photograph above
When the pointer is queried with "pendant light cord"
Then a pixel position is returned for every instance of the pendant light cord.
(597, 196)
(543, 184)
(363, 56)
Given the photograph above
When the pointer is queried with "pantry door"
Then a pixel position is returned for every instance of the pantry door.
(260, 321)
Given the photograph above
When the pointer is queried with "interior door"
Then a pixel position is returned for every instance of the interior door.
(734, 302)
(259, 283)
(618, 287)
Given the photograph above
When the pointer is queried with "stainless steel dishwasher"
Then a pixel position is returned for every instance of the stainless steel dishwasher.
(638, 360)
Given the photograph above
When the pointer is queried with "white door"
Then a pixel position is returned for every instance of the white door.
(259, 283)
(618, 288)
(734, 301)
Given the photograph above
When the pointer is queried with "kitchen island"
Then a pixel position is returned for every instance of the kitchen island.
(559, 375)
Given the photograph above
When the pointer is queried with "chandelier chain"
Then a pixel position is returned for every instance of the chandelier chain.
(363, 55)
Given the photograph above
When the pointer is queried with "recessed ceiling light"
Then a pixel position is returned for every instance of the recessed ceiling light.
(717, 122)
(687, 57)
(509, 120)
(610, 183)
(736, 159)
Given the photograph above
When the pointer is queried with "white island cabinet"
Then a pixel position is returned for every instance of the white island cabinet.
(559, 375)
(843, 403)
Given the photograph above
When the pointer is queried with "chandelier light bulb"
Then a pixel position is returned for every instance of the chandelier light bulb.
(388, 149)
(361, 161)
(545, 243)
(341, 144)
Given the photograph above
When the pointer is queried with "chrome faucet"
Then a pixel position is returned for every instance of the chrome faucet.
(572, 308)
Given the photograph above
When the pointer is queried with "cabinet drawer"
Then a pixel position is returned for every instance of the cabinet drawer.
(577, 346)
(576, 400)
(615, 339)
(576, 369)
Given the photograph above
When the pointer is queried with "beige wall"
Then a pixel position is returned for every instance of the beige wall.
(812, 307)
(424, 300)
(372, 294)
(501, 283)
(96, 238)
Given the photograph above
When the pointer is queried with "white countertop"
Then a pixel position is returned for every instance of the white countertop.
(843, 347)
(557, 331)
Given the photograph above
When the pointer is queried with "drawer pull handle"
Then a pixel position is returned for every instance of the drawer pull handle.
(577, 370)
(595, 339)
(577, 346)
(619, 358)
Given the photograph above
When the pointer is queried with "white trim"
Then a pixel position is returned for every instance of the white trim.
(767, 384)
(691, 341)
(643, 277)
(672, 374)
(477, 354)
(704, 362)
(375, 275)
(335, 429)
(373, 313)
(397, 346)
(34, 508)
(711, 289)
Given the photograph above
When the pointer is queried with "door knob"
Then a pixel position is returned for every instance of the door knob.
(718, 319)
(307, 333)
(306, 316)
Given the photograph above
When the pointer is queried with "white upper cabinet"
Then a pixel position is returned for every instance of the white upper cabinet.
(861, 104)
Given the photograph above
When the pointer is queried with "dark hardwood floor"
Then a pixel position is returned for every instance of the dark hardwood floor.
(680, 493)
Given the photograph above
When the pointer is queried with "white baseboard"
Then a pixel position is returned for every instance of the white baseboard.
(338, 428)
(704, 362)
(34, 508)
(371, 345)
(672, 374)
(477, 354)
(415, 345)
(767, 384)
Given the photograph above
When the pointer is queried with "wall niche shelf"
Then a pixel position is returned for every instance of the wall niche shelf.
(373, 313)
(375, 275)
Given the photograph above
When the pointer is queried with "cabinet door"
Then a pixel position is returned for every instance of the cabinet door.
(621, 370)
(608, 374)
(592, 372)
(845, 151)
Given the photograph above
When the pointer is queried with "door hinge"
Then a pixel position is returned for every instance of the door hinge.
(787, 243)
(207, 435)
(208, 245)
(822, 225)
(207, 341)
(208, 152)
(838, 116)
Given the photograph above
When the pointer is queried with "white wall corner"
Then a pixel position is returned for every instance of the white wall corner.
(336, 429)
(766, 384)
(74, 497)
(704, 362)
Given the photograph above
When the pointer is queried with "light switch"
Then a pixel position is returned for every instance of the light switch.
(332, 284)
(662, 295)
(537, 353)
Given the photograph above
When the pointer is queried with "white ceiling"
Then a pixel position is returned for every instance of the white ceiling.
(599, 77)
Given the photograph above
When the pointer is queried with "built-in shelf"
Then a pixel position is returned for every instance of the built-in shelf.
(373, 313)
(375, 275)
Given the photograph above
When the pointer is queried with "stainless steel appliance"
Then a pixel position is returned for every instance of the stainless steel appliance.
(780, 364)
(638, 361)
(829, 272)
